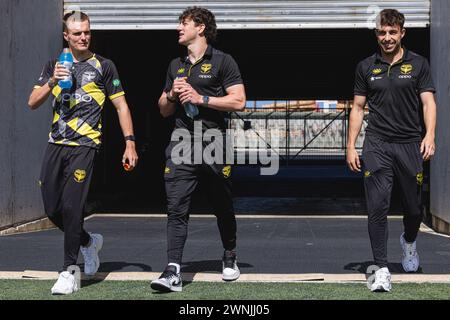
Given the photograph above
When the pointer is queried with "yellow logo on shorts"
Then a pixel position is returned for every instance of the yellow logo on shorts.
(367, 174)
(226, 171)
(206, 67)
(167, 170)
(406, 68)
(419, 178)
(79, 175)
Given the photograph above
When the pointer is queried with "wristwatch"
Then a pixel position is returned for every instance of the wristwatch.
(130, 138)
(51, 83)
(205, 101)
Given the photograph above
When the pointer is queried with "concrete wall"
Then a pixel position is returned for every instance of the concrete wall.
(440, 63)
(30, 34)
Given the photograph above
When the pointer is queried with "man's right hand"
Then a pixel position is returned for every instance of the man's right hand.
(178, 87)
(60, 72)
(353, 160)
(41, 93)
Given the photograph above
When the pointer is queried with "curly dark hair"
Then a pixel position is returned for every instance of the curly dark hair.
(390, 17)
(201, 16)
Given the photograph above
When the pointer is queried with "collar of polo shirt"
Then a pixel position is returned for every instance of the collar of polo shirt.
(406, 56)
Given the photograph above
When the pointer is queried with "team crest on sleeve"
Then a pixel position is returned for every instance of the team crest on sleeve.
(116, 83)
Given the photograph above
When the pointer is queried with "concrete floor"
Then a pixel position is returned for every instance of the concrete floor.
(266, 245)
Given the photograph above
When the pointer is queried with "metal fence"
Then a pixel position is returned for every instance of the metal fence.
(294, 130)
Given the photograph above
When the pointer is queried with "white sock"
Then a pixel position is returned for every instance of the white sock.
(176, 265)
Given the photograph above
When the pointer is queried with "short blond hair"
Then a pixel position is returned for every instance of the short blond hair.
(74, 16)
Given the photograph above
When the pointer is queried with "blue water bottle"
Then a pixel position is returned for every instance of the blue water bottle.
(66, 59)
(190, 108)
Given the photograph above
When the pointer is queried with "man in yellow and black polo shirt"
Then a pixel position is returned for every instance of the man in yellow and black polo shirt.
(74, 140)
(396, 83)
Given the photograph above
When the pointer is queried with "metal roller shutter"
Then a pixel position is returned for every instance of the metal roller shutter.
(232, 14)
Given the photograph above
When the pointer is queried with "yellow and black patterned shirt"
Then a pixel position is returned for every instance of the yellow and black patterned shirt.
(77, 111)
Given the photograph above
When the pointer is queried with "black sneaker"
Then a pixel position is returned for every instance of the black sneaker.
(169, 281)
(230, 270)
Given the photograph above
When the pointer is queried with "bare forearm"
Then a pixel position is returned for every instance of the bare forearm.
(228, 103)
(429, 115)
(166, 108)
(355, 124)
(126, 123)
(39, 96)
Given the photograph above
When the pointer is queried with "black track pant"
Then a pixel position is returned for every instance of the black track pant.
(382, 161)
(181, 181)
(65, 178)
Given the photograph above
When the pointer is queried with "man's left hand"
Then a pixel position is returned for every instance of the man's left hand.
(130, 156)
(427, 148)
(190, 95)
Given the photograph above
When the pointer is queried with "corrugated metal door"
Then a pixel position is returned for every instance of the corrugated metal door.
(256, 14)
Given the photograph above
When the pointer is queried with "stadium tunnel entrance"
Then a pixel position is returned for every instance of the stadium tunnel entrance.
(279, 66)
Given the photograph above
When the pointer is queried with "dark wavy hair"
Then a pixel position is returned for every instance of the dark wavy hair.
(201, 16)
(390, 17)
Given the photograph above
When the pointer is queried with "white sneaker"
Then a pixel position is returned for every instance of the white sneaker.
(410, 261)
(66, 284)
(230, 270)
(382, 281)
(90, 254)
(169, 281)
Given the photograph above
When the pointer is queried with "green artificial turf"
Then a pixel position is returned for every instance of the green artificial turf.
(138, 290)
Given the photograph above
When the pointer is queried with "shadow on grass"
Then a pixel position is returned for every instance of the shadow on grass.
(107, 267)
(208, 266)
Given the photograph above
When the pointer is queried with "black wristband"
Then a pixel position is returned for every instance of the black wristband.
(51, 83)
(130, 138)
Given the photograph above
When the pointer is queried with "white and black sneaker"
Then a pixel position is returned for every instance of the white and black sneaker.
(169, 281)
(382, 281)
(410, 261)
(230, 270)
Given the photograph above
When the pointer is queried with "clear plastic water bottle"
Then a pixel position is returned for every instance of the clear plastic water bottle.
(190, 108)
(66, 59)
